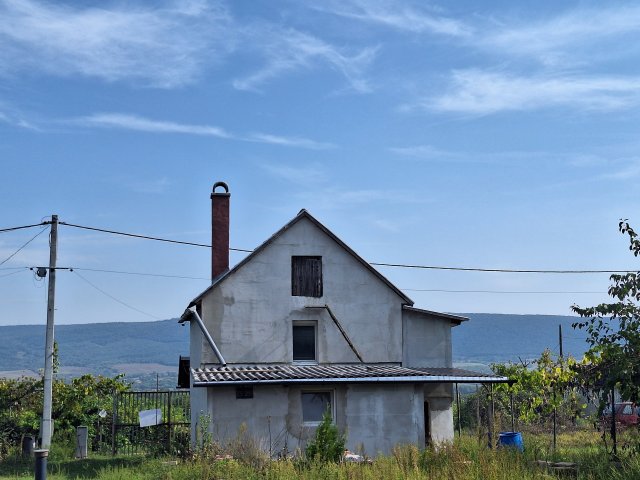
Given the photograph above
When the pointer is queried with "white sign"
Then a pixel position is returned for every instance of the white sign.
(150, 417)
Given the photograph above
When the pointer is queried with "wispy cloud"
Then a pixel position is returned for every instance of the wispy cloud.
(289, 141)
(571, 37)
(426, 152)
(162, 47)
(336, 198)
(480, 92)
(127, 121)
(17, 121)
(134, 122)
(287, 51)
(150, 186)
(304, 175)
(397, 15)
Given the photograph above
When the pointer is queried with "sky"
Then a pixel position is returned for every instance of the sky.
(490, 134)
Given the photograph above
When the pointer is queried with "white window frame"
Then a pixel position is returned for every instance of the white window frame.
(306, 323)
(332, 402)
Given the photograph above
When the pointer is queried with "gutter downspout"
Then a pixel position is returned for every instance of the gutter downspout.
(192, 313)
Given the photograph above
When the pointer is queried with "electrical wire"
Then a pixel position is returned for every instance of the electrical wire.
(377, 264)
(490, 291)
(496, 270)
(114, 298)
(147, 237)
(24, 245)
(11, 229)
(12, 273)
(145, 274)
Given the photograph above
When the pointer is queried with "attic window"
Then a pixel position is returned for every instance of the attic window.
(306, 276)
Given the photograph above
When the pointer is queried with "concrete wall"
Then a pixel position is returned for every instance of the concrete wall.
(440, 399)
(375, 417)
(426, 340)
(378, 417)
(250, 314)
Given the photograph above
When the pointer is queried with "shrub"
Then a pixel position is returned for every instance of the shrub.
(328, 444)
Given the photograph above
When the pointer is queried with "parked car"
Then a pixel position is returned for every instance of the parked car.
(626, 414)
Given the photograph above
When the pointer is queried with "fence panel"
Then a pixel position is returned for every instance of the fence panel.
(168, 429)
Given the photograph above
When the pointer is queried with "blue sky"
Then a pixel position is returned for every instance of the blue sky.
(472, 134)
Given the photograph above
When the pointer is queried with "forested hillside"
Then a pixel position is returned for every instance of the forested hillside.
(110, 348)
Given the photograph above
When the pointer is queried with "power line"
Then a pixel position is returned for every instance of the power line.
(114, 298)
(11, 229)
(12, 273)
(145, 274)
(495, 270)
(147, 237)
(24, 245)
(377, 264)
(490, 291)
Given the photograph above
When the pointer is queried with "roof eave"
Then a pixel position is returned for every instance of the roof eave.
(457, 319)
(409, 379)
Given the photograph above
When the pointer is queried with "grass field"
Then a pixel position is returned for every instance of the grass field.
(465, 460)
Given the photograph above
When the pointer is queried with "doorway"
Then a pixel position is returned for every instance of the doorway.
(427, 424)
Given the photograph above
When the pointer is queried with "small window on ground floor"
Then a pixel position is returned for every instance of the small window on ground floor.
(314, 404)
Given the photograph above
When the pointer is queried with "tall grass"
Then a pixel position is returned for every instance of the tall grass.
(466, 459)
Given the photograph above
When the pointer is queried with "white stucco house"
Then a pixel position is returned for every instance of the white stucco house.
(304, 324)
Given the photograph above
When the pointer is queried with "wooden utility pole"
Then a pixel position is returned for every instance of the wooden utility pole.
(47, 426)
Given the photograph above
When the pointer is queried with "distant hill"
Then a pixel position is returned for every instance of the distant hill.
(490, 337)
(139, 349)
(143, 349)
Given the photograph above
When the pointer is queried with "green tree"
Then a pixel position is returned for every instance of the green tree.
(614, 333)
(541, 386)
(328, 444)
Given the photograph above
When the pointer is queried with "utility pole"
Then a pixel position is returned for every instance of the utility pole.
(560, 339)
(555, 410)
(47, 426)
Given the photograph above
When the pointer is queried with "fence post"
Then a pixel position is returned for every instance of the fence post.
(114, 419)
(169, 421)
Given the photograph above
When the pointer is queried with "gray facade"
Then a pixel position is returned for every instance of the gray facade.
(250, 313)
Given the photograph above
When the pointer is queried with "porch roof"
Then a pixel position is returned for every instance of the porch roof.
(332, 373)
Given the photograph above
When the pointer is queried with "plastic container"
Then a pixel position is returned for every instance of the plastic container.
(511, 440)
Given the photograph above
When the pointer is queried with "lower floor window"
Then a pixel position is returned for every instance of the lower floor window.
(314, 404)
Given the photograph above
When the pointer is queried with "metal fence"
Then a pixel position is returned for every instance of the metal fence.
(169, 415)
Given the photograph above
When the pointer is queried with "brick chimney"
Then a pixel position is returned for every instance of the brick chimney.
(219, 230)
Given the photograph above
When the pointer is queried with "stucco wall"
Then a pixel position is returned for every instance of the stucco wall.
(250, 314)
(426, 340)
(378, 417)
(440, 399)
(375, 417)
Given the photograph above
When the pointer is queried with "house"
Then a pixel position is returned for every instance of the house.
(304, 324)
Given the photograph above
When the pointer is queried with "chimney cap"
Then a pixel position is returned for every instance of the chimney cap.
(223, 185)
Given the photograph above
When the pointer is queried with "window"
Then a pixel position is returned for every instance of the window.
(306, 276)
(314, 404)
(304, 342)
(244, 391)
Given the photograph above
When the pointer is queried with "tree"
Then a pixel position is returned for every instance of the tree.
(328, 445)
(614, 333)
(540, 387)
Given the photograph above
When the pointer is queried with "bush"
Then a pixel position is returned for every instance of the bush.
(328, 445)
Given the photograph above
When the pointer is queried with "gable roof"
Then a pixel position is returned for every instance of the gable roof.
(302, 214)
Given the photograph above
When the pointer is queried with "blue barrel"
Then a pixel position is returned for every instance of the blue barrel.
(511, 440)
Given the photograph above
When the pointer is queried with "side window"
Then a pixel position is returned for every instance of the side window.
(304, 341)
(314, 404)
(306, 276)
